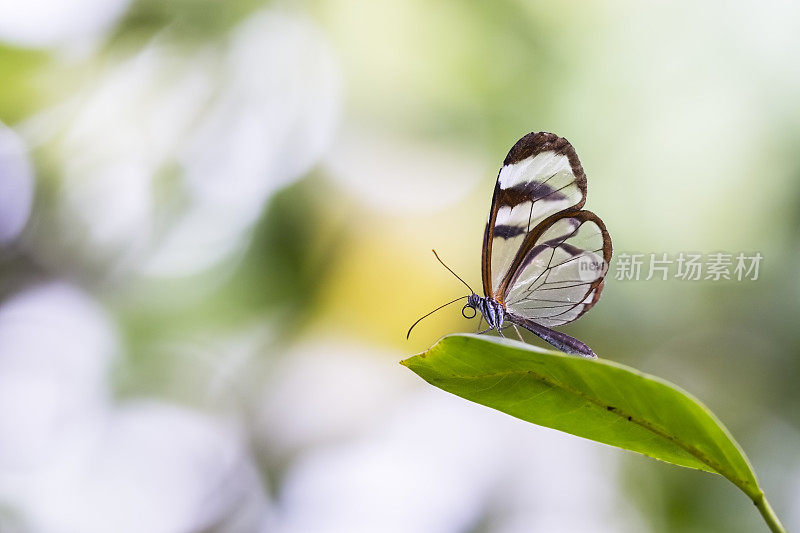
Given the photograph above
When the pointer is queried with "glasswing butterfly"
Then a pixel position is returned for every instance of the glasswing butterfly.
(544, 258)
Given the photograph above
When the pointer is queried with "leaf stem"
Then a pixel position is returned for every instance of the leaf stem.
(769, 515)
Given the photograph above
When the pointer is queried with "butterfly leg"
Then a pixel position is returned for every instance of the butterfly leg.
(519, 335)
(480, 321)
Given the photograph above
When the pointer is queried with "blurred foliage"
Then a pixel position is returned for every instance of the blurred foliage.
(273, 285)
(195, 21)
(18, 94)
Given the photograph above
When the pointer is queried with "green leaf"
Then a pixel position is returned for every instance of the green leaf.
(592, 398)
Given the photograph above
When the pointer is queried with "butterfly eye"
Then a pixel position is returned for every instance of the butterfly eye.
(464, 311)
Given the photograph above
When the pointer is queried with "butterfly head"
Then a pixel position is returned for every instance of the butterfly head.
(473, 304)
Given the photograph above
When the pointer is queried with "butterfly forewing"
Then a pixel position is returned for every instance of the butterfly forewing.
(541, 176)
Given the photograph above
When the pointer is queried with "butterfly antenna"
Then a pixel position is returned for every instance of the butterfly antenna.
(429, 314)
(453, 273)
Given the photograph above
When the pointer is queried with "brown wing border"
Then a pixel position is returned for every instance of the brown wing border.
(530, 145)
(595, 298)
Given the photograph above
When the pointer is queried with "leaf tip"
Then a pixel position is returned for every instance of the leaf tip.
(412, 361)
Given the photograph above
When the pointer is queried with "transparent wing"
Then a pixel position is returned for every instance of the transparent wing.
(560, 275)
(541, 176)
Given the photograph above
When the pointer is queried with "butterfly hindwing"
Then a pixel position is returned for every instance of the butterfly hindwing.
(541, 176)
(559, 272)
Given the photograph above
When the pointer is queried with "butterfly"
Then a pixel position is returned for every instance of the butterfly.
(544, 258)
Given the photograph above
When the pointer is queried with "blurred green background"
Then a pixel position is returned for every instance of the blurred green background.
(215, 228)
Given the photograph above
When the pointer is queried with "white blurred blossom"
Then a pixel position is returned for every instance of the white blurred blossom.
(351, 384)
(439, 464)
(396, 175)
(272, 121)
(155, 468)
(16, 185)
(56, 351)
(169, 155)
(72, 460)
(50, 23)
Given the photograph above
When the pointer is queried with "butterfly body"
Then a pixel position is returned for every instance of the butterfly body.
(544, 258)
(495, 315)
(493, 311)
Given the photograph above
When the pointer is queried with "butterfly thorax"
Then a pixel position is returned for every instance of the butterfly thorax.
(493, 311)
